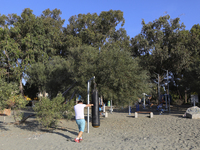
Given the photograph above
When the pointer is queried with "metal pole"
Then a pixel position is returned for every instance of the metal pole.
(111, 107)
(168, 89)
(166, 101)
(88, 102)
(167, 81)
(104, 109)
(88, 108)
(129, 108)
(158, 88)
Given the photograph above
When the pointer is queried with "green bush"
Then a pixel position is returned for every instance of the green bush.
(10, 97)
(50, 111)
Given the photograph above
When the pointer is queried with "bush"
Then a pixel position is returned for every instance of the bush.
(50, 111)
(10, 97)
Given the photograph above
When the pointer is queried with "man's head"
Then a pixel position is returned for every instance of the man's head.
(80, 102)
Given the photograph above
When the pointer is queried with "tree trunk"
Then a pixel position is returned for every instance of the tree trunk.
(185, 96)
(44, 94)
(25, 118)
(21, 86)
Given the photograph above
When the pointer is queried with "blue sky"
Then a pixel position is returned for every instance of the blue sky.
(134, 10)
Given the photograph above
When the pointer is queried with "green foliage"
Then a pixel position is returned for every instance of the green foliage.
(93, 29)
(164, 43)
(53, 57)
(10, 97)
(120, 77)
(27, 39)
(49, 111)
(117, 74)
(37, 74)
(192, 74)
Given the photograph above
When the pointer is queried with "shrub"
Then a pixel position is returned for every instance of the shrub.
(10, 97)
(50, 111)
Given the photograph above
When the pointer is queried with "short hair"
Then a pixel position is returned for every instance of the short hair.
(80, 101)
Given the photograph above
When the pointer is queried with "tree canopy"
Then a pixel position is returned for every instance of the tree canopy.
(52, 58)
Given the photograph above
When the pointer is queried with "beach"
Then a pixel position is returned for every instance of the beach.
(119, 131)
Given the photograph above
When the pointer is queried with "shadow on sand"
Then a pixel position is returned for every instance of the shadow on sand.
(2, 126)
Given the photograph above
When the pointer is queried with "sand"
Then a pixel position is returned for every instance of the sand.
(119, 131)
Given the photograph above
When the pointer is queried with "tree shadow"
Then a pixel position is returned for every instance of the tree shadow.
(32, 125)
(2, 126)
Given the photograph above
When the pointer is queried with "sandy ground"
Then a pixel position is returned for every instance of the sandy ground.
(120, 131)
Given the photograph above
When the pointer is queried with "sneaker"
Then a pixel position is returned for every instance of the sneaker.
(76, 140)
(80, 140)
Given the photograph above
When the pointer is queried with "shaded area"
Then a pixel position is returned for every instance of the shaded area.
(2, 126)
(32, 125)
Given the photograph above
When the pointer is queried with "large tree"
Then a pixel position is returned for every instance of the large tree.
(117, 74)
(163, 45)
(95, 30)
(192, 74)
(28, 39)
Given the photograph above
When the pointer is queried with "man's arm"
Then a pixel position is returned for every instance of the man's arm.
(88, 105)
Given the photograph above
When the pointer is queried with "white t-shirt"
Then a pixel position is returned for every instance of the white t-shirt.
(79, 111)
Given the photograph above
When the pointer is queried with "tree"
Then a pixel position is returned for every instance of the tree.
(191, 75)
(52, 76)
(92, 29)
(28, 39)
(82, 66)
(117, 74)
(163, 44)
(120, 77)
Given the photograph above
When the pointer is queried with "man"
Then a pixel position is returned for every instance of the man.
(80, 120)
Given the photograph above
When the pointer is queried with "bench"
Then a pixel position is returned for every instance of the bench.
(144, 112)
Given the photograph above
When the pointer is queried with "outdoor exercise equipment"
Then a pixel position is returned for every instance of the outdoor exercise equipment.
(95, 109)
(144, 105)
(129, 110)
(88, 110)
(137, 107)
(111, 109)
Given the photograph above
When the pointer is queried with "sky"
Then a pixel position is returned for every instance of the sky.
(134, 10)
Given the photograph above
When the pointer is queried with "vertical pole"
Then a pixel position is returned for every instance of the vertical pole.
(167, 82)
(104, 109)
(193, 100)
(88, 102)
(166, 101)
(129, 108)
(168, 89)
(88, 108)
(111, 107)
(158, 88)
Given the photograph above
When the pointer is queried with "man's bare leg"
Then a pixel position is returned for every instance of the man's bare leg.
(80, 134)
